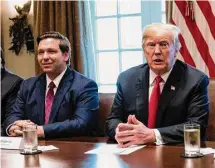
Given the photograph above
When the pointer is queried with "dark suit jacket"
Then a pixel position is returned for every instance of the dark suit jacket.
(10, 84)
(184, 99)
(74, 110)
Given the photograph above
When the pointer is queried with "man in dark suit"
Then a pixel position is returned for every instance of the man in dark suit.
(61, 101)
(154, 100)
(10, 84)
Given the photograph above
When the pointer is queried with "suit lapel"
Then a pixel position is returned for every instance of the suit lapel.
(40, 98)
(142, 85)
(63, 87)
(170, 88)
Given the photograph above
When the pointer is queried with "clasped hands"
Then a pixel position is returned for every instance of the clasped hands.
(133, 132)
(16, 128)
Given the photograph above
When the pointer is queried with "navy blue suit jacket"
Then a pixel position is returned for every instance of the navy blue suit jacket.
(74, 110)
(184, 99)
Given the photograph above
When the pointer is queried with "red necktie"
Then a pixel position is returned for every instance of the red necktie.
(153, 103)
(49, 101)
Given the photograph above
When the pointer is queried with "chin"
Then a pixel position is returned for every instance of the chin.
(46, 70)
(159, 69)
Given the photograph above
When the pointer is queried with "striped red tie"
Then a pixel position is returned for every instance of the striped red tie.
(49, 101)
(153, 103)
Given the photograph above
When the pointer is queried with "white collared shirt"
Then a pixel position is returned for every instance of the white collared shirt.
(56, 81)
(152, 76)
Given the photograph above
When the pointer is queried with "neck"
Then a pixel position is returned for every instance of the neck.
(53, 75)
(159, 73)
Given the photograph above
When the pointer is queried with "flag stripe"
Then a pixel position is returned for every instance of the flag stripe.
(212, 3)
(186, 54)
(203, 26)
(189, 41)
(199, 40)
(207, 12)
(179, 56)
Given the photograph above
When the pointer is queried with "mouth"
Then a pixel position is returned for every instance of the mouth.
(46, 65)
(158, 60)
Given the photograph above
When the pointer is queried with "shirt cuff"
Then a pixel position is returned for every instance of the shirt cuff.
(158, 137)
(7, 129)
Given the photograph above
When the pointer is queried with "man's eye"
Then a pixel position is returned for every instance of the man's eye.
(164, 44)
(40, 52)
(51, 52)
(151, 44)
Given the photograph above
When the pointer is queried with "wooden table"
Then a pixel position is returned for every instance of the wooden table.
(71, 154)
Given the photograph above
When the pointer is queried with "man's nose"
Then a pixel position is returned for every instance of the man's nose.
(45, 55)
(157, 49)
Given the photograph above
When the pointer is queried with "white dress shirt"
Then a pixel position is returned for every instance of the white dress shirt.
(56, 81)
(152, 76)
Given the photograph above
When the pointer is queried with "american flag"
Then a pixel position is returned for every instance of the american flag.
(196, 20)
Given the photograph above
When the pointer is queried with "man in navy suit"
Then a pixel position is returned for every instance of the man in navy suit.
(182, 96)
(71, 110)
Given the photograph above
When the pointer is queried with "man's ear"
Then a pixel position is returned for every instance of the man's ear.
(176, 52)
(66, 56)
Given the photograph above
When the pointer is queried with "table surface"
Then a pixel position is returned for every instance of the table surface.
(71, 154)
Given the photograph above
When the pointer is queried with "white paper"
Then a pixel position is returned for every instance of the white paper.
(10, 142)
(206, 151)
(114, 149)
(47, 148)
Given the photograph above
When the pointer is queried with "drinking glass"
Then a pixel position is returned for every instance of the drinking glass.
(191, 140)
(30, 139)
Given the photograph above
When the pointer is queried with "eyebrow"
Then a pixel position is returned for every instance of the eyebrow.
(163, 41)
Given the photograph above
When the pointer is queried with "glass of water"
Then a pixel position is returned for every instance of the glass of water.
(30, 139)
(192, 140)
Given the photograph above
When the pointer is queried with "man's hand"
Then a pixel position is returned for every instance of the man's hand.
(121, 128)
(17, 127)
(15, 131)
(133, 132)
(40, 131)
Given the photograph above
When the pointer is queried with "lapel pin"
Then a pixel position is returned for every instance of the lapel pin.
(172, 87)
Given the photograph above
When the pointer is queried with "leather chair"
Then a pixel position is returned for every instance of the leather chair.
(105, 104)
(211, 121)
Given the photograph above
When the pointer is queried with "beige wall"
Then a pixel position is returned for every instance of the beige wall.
(23, 64)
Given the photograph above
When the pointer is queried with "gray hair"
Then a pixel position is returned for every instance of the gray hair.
(172, 28)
